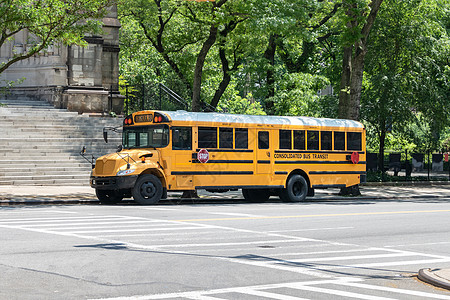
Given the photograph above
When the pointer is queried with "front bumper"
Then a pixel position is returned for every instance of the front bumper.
(113, 182)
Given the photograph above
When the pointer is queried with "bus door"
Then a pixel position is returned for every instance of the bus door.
(263, 156)
(182, 156)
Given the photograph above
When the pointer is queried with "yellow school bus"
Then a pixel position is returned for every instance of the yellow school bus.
(262, 155)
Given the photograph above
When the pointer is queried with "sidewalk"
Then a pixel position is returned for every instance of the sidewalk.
(13, 195)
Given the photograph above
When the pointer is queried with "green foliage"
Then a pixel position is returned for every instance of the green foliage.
(239, 105)
(49, 22)
(297, 95)
(407, 74)
(406, 82)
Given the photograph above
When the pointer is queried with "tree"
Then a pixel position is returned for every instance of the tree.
(184, 32)
(360, 19)
(48, 22)
(407, 81)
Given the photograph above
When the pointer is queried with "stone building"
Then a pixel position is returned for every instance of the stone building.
(82, 79)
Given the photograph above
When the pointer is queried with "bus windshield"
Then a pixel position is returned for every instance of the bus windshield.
(156, 136)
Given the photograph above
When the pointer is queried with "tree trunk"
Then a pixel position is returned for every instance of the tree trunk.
(353, 70)
(197, 84)
(381, 149)
(190, 195)
(269, 54)
(344, 88)
(226, 78)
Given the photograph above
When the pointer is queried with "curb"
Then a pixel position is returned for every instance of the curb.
(406, 183)
(428, 276)
(61, 200)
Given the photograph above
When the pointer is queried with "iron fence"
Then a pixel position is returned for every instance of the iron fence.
(410, 166)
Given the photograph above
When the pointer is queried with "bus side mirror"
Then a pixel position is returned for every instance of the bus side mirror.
(105, 136)
(83, 150)
(119, 148)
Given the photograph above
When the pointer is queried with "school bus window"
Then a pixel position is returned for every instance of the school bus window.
(241, 138)
(326, 140)
(207, 137)
(313, 140)
(339, 140)
(225, 137)
(285, 139)
(299, 139)
(181, 138)
(130, 139)
(145, 136)
(263, 140)
(354, 141)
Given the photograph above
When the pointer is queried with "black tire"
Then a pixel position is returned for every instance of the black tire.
(147, 190)
(296, 189)
(109, 196)
(256, 195)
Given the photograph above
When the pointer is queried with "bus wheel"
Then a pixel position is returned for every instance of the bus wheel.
(108, 196)
(259, 195)
(147, 190)
(296, 189)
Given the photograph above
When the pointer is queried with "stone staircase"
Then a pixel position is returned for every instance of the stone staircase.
(40, 145)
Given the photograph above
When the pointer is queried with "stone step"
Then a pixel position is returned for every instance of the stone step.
(40, 145)
(79, 181)
(38, 173)
(25, 104)
(44, 155)
(61, 118)
(25, 110)
(55, 141)
(44, 169)
(29, 163)
(51, 136)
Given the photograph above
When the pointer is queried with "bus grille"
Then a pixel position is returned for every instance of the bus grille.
(105, 168)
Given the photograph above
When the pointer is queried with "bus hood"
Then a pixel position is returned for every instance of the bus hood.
(111, 164)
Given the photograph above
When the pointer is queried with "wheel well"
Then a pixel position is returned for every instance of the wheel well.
(300, 172)
(158, 174)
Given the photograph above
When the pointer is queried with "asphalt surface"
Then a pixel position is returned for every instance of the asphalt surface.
(40, 195)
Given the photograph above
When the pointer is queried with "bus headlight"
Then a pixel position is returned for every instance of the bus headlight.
(125, 172)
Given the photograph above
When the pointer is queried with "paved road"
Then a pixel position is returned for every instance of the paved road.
(318, 250)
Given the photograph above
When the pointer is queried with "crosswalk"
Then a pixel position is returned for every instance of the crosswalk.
(340, 288)
(340, 269)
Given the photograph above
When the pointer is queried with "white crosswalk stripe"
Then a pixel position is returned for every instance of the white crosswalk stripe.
(271, 250)
(284, 291)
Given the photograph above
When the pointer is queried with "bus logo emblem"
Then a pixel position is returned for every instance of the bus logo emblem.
(203, 156)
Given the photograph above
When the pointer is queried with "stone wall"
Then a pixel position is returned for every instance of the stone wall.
(83, 79)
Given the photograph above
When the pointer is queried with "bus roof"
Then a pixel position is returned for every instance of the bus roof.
(181, 115)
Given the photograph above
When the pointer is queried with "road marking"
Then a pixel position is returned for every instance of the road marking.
(151, 234)
(235, 214)
(257, 261)
(312, 286)
(133, 230)
(194, 294)
(224, 244)
(318, 215)
(349, 257)
(159, 208)
(337, 292)
(119, 223)
(421, 244)
(394, 290)
(324, 252)
(46, 220)
(390, 264)
(253, 292)
(311, 229)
